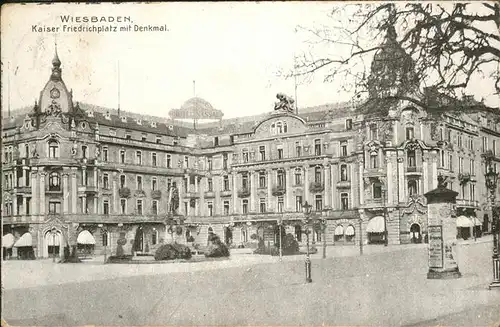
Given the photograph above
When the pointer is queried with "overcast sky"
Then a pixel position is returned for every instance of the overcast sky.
(232, 50)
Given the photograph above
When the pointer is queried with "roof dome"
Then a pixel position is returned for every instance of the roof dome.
(197, 103)
(392, 69)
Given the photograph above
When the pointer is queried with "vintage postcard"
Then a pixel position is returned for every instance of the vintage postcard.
(250, 164)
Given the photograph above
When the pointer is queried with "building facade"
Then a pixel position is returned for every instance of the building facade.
(79, 174)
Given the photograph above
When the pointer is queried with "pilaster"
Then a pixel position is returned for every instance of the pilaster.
(42, 175)
(116, 205)
(401, 176)
(327, 182)
(306, 184)
(73, 190)
(34, 191)
(425, 171)
(65, 192)
(390, 197)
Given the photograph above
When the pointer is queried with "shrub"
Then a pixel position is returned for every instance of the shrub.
(172, 251)
(216, 248)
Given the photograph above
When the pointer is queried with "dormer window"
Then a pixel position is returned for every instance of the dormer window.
(124, 119)
(279, 128)
(53, 149)
(153, 124)
(107, 115)
(139, 122)
(409, 133)
(144, 137)
(90, 113)
(348, 124)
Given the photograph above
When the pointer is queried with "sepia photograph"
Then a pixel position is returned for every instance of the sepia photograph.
(250, 164)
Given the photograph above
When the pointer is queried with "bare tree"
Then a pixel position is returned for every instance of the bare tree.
(430, 61)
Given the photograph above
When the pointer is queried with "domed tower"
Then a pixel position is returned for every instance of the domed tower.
(392, 70)
(54, 97)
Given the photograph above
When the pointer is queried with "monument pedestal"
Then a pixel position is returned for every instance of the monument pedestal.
(435, 273)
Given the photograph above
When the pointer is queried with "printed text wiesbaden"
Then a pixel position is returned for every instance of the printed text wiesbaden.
(95, 19)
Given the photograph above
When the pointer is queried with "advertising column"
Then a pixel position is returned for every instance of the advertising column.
(442, 232)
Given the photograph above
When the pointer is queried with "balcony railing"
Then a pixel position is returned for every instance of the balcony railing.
(467, 203)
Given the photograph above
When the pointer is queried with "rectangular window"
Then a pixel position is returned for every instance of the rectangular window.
(105, 154)
(494, 147)
(373, 132)
(226, 208)
(262, 205)
(460, 165)
(343, 148)
(138, 158)
(298, 149)
(348, 124)
(317, 147)
(245, 155)
(139, 182)
(298, 203)
(54, 207)
(154, 184)
(226, 183)
(169, 183)
(449, 135)
(84, 151)
(298, 176)
(122, 181)
(139, 207)
(459, 141)
(158, 139)
(412, 162)
(319, 202)
(344, 177)
(410, 133)
(105, 181)
(210, 185)
(154, 207)
(374, 161)
(244, 181)
(186, 162)
(210, 206)
(153, 159)
(128, 136)
(344, 201)
(244, 206)
(280, 152)
(472, 168)
(122, 156)
(210, 164)
(377, 190)
(169, 161)
(224, 161)
(154, 237)
(471, 143)
(451, 162)
(485, 144)
(442, 161)
(105, 207)
(473, 192)
(280, 203)
(262, 179)
(262, 152)
(123, 206)
(144, 138)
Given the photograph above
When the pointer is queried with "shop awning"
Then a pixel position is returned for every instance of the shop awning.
(349, 231)
(25, 240)
(85, 238)
(339, 230)
(376, 225)
(476, 221)
(8, 241)
(464, 222)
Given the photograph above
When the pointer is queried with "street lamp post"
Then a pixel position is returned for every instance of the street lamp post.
(323, 227)
(307, 213)
(491, 178)
(280, 226)
(384, 203)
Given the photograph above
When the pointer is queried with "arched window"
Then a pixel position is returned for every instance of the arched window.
(273, 129)
(281, 178)
(53, 149)
(317, 174)
(210, 230)
(54, 181)
(26, 150)
(279, 128)
(343, 173)
(285, 129)
(411, 158)
(377, 190)
(122, 181)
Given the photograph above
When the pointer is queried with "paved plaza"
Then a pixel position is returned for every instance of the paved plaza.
(387, 286)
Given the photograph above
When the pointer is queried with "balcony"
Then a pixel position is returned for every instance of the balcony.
(210, 194)
(53, 189)
(87, 189)
(464, 203)
(23, 189)
(278, 190)
(193, 195)
(316, 187)
(344, 184)
(374, 172)
(413, 170)
(244, 192)
(226, 193)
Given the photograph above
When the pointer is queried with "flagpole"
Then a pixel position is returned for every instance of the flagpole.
(295, 83)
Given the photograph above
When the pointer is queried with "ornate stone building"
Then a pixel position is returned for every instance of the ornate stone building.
(76, 173)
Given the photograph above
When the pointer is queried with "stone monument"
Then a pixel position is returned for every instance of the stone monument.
(442, 231)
